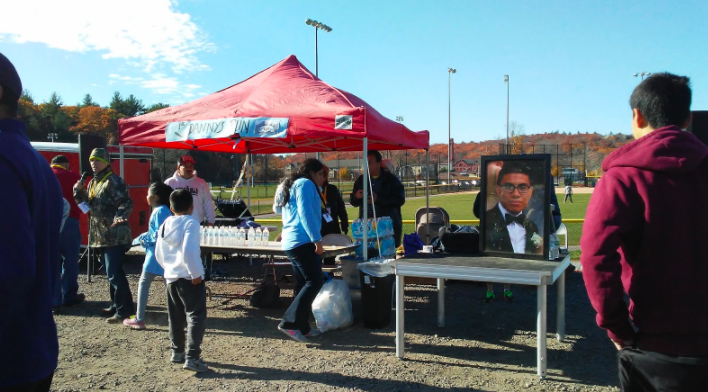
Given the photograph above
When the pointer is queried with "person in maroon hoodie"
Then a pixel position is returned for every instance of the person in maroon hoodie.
(644, 235)
(66, 292)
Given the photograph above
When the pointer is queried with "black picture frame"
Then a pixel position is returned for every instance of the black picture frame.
(494, 237)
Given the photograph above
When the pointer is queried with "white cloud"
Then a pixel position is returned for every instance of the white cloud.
(147, 33)
(159, 83)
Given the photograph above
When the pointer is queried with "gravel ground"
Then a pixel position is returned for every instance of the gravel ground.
(486, 347)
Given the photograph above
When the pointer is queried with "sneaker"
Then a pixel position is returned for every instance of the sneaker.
(489, 297)
(115, 319)
(294, 334)
(56, 310)
(508, 296)
(196, 365)
(314, 333)
(134, 323)
(107, 312)
(177, 357)
(77, 300)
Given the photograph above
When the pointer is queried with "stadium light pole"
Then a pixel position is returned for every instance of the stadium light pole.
(506, 81)
(318, 26)
(399, 119)
(450, 71)
(642, 74)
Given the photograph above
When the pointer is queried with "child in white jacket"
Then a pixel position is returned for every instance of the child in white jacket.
(177, 251)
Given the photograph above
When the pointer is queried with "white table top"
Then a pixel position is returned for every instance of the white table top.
(275, 249)
(482, 269)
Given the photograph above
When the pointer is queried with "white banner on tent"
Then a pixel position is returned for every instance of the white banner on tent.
(245, 127)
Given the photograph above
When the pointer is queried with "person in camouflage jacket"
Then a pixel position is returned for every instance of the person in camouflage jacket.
(110, 206)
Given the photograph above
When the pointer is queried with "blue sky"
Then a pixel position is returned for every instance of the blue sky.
(570, 63)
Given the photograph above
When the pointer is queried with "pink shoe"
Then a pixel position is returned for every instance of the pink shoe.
(134, 323)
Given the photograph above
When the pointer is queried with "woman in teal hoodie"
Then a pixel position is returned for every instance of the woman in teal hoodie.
(159, 199)
(302, 220)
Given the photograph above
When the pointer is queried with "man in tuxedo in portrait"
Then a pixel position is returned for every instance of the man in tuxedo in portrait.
(508, 228)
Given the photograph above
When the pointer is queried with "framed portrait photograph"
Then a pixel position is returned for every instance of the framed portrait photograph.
(515, 200)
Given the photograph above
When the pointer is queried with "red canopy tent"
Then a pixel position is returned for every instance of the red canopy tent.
(283, 109)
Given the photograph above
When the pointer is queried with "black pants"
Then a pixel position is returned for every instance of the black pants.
(567, 195)
(642, 371)
(307, 268)
(38, 386)
(186, 306)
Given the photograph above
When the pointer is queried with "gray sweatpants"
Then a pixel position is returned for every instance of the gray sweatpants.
(186, 304)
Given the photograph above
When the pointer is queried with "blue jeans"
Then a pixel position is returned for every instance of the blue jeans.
(119, 289)
(307, 268)
(143, 292)
(69, 247)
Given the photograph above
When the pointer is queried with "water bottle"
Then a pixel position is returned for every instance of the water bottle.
(251, 237)
(232, 236)
(202, 236)
(552, 250)
(356, 228)
(210, 235)
(241, 237)
(259, 237)
(266, 236)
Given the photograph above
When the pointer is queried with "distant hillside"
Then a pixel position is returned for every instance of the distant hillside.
(583, 151)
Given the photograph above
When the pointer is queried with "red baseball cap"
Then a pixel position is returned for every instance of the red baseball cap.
(187, 159)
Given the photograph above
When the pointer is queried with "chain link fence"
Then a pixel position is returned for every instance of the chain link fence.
(573, 226)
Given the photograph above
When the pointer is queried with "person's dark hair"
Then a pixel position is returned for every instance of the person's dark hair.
(511, 167)
(664, 99)
(180, 201)
(59, 159)
(311, 165)
(162, 191)
(376, 154)
(10, 100)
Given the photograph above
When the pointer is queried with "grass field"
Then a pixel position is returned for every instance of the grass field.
(459, 206)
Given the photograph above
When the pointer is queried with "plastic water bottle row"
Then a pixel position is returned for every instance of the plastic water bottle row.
(383, 225)
(232, 236)
(387, 248)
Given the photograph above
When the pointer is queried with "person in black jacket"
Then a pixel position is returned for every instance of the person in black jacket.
(388, 194)
(333, 204)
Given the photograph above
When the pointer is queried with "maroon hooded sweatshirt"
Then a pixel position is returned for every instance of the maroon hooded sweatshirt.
(646, 234)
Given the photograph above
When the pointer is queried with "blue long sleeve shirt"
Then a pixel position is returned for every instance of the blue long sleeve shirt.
(302, 215)
(149, 238)
(29, 259)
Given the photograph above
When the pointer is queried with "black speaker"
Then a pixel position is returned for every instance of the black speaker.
(699, 125)
(86, 144)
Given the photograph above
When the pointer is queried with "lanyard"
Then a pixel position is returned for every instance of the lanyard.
(95, 185)
(323, 196)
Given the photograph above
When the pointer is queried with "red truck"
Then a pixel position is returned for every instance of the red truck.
(137, 163)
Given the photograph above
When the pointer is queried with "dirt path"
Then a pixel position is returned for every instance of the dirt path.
(488, 347)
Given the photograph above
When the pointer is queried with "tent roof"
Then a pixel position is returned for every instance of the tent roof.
(287, 90)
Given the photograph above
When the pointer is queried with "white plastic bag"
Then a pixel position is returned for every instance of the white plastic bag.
(333, 306)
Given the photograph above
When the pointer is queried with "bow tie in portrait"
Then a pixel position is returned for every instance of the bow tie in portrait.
(508, 219)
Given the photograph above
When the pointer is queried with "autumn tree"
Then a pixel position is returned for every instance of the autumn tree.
(98, 121)
(344, 173)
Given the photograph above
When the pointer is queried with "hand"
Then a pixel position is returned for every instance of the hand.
(318, 247)
(359, 194)
(210, 224)
(197, 280)
(79, 185)
(375, 196)
(345, 230)
(119, 221)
